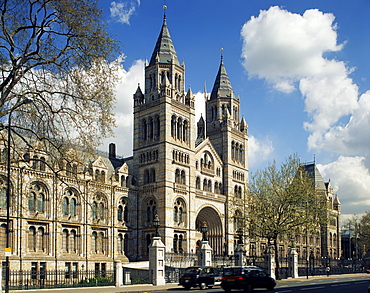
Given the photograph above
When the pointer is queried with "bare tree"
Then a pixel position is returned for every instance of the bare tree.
(58, 54)
(281, 200)
(364, 231)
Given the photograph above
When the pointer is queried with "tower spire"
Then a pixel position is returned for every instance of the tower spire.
(164, 9)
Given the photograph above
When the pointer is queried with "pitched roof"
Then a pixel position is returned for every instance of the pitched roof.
(164, 49)
(222, 87)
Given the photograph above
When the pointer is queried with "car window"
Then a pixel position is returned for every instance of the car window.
(232, 271)
(191, 271)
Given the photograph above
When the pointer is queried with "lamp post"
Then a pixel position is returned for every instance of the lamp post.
(240, 236)
(204, 230)
(8, 249)
(156, 224)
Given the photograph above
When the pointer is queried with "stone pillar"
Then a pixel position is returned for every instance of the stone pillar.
(271, 262)
(119, 276)
(240, 255)
(293, 262)
(156, 262)
(205, 254)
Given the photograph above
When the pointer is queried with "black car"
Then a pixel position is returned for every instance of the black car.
(200, 276)
(246, 278)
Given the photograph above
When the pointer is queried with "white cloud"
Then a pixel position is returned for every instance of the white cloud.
(351, 180)
(124, 108)
(122, 11)
(288, 49)
(259, 150)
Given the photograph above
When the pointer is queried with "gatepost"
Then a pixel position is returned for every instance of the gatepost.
(293, 262)
(119, 276)
(271, 261)
(156, 257)
(205, 251)
(240, 253)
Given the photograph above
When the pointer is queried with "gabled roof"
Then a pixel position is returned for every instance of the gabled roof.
(222, 87)
(164, 49)
(315, 174)
(208, 144)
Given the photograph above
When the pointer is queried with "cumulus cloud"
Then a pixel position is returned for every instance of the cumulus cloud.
(287, 50)
(129, 81)
(259, 150)
(122, 11)
(351, 180)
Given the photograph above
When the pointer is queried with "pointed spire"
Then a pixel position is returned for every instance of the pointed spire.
(164, 51)
(222, 87)
(243, 125)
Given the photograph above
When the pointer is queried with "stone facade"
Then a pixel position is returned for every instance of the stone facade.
(100, 210)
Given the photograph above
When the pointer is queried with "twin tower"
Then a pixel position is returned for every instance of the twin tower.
(187, 172)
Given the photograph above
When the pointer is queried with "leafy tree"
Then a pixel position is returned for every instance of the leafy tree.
(364, 231)
(282, 200)
(58, 54)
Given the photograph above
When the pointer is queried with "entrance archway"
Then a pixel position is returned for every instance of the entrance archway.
(215, 231)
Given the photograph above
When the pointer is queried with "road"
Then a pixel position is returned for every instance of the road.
(337, 285)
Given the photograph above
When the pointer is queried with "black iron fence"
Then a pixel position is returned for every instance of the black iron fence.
(24, 280)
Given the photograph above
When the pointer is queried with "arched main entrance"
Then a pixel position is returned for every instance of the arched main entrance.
(215, 231)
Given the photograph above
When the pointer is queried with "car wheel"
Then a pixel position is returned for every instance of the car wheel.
(249, 288)
(202, 286)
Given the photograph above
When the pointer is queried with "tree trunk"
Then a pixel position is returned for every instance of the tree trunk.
(276, 255)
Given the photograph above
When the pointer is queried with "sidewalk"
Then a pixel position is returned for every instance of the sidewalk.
(170, 286)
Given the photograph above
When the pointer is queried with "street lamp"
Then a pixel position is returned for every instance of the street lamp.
(156, 225)
(204, 230)
(8, 249)
(240, 236)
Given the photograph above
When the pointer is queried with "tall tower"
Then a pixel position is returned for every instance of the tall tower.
(229, 136)
(164, 116)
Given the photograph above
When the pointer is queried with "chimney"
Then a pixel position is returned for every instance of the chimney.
(112, 150)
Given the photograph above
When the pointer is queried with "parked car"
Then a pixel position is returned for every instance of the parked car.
(246, 278)
(201, 277)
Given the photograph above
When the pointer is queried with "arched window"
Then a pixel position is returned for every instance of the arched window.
(94, 247)
(175, 241)
(120, 244)
(42, 164)
(173, 126)
(73, 241)
(32, 238)
(179, 128)
(41, 239)
(197, 183)
(146, 176)
(2, 192)
(179, 209)
(175, 213)
(120, 213)
(36, 198)
(151, 210)
(152, 175)
(145, 129)
(205, 184)
(185, 130)
(181, 250)
(94, 210)
(177, 176)
(65, 206)
(182, 181)
(2, 236)
(72, 207)
(65, 240)
(209, 185)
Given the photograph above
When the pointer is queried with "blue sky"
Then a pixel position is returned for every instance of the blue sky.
(301, 68)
